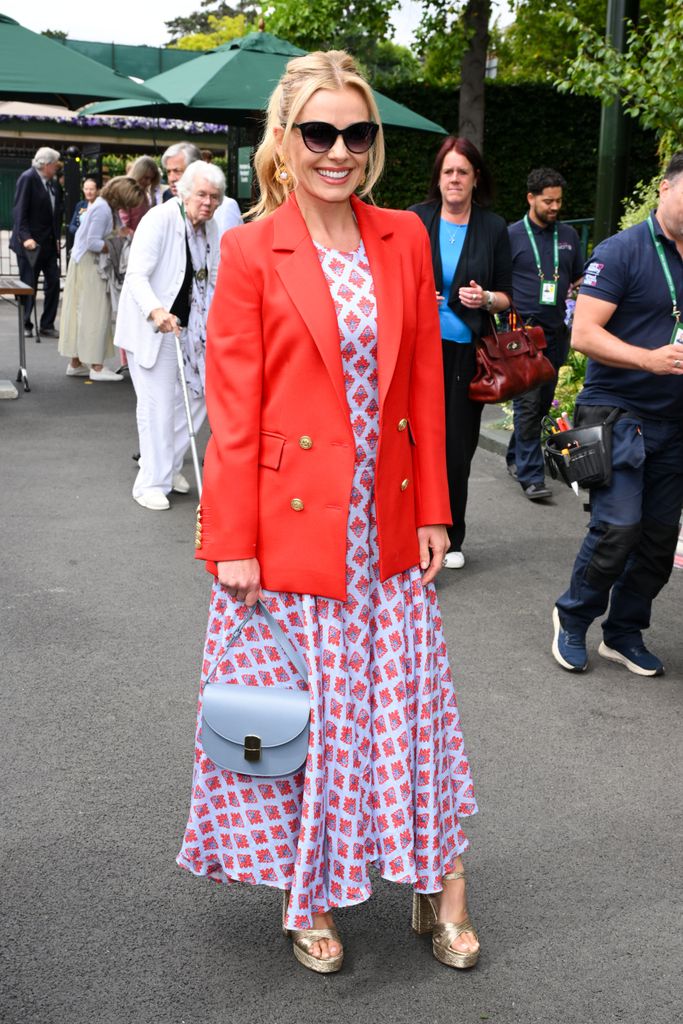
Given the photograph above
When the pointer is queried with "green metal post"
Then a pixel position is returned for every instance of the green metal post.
(614, 133)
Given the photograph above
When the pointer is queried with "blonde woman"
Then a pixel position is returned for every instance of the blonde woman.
(325, 492)
(85, 335)
(147, 174)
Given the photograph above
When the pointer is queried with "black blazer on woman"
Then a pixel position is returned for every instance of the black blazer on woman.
(486, 258)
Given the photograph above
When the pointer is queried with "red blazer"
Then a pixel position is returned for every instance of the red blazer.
(279, 464)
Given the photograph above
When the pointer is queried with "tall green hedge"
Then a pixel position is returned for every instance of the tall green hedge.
(527, 126)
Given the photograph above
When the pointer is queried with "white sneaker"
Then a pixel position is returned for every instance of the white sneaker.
(77, 371)
(154, 499)
(454, 560)
(104, 374)
(180, 484)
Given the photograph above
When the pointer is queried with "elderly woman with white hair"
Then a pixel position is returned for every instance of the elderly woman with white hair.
(168, 289)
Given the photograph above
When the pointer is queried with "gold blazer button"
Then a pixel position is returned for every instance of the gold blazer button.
(305, 442)
(402, 424)
(297, 504)
(404, 484)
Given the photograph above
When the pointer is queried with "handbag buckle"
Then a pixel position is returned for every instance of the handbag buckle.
(252, 748)
(512, 345)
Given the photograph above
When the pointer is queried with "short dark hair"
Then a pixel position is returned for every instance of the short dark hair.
(483, 190)
(542, 178)
(674, 167)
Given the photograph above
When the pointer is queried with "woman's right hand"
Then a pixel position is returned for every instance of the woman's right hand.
(242, 578)
(164, 321)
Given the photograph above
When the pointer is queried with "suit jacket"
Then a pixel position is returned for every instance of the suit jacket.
(33, 216)
(156, 269)
(279, 465)
(486, 258)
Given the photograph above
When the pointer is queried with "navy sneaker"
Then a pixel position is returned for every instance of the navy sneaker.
(537, 492)
(636, 657)
(569, 649)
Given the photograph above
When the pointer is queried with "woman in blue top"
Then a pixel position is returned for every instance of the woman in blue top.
(473, 273)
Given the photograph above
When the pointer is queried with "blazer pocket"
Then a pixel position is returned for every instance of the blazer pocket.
(270, 449)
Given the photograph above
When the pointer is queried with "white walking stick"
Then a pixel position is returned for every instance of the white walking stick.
(188, 412)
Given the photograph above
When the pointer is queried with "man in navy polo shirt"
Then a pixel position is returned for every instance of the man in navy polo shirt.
(546, 262)
(627, 322)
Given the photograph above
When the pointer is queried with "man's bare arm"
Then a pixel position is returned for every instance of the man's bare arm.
(590, 337)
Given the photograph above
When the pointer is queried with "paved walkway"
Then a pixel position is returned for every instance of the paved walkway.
(575, 862)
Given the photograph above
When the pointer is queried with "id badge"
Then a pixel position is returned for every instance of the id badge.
(548, 295)
(677, 336)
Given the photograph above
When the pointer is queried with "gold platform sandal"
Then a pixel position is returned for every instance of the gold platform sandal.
(425, 919)
(305, 938)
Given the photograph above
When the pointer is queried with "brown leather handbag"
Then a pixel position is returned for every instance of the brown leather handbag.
(510, 363)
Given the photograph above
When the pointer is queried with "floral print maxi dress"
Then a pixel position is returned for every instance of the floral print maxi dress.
(387, 776)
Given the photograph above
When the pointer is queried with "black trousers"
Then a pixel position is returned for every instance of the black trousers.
(463, 421)
(524, 449)
(47, 263)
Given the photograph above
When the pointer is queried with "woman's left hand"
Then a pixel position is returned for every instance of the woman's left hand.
(473, 295)
(434, 544)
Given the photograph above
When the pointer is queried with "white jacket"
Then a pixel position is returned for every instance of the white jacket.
(156, 269)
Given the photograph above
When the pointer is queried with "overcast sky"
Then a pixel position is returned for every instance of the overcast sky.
(138, 22)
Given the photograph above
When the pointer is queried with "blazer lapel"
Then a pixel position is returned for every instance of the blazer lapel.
(302, 276)
(385, 264)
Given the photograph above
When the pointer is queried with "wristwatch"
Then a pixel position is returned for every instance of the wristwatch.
(490, 299)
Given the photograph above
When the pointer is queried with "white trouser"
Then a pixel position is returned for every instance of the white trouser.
(162, 423)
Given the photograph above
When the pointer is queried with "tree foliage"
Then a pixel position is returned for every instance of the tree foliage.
(646, 79)
(220, 30)
(358, 26)
(200, 21)
(536, 45)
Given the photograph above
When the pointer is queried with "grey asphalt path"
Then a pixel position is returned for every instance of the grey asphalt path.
(574, 870)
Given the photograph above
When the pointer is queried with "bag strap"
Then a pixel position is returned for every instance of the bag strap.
(290, 652)
(519, 326)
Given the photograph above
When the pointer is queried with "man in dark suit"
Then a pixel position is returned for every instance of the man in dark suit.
(36, 232)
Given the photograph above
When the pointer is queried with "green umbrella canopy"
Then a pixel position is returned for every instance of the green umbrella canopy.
(232, 85)
(36, 69)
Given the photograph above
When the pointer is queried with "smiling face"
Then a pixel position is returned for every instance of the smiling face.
(457, 181)
(330, 177)
(202, 202)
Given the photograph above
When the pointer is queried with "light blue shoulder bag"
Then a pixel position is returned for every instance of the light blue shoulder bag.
(257, 730)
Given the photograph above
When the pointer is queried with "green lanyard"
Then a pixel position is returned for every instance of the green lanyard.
(675, 311)
(203, 272)
(556, 250)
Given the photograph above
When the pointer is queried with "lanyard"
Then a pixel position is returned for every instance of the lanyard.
(203, 272)
(556, 250)
(675, 312)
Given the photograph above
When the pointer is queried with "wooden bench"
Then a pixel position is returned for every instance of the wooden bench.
(15, 287)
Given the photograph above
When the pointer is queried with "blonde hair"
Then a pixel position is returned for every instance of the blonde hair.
(304, 76)
(142, 166)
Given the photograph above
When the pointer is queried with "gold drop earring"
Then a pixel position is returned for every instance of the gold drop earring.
(282, 173)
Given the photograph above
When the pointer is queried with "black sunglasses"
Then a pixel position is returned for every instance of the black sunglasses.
(320, 137)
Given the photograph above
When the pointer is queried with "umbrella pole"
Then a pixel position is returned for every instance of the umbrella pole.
(188, 414)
